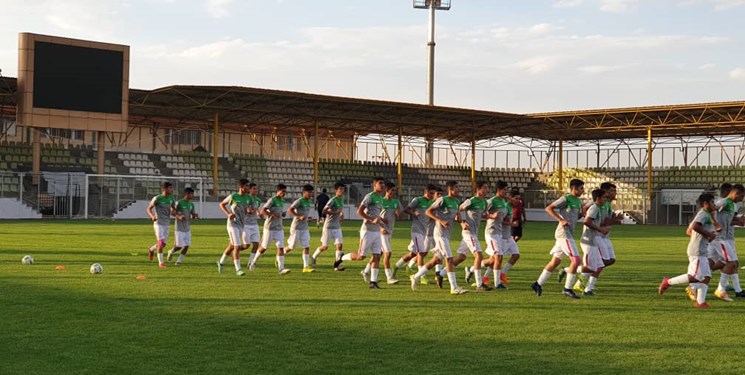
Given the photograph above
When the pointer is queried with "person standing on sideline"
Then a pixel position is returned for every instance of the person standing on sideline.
(321, 201)
(518, 214)
(163, 205)
(184, 213)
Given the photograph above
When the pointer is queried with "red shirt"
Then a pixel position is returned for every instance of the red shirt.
(518, 210)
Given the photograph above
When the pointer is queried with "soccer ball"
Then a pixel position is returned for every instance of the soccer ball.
(96, 268)
(27, 260)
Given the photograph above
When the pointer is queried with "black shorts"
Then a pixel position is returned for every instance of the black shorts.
(321, 214)
(517, 231)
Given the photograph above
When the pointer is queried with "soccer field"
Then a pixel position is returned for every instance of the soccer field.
(191, 319)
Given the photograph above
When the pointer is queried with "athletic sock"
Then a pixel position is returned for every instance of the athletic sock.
(591, 284)
(251, 257)
(374, 275)
(453, 283)
(571, 279)
(545, 274)
(422, 271)
(586, 275)
(701, 293)
(412, 262)
(679, 280)
(180, 258)
(367, 268)
(153, 248)
(443, 272)
(723, 280)
(347, 257)
(736, 282)
(496, 273)
(237, 263)
(438, 267)
(338, 255)
(280, 262)
(223, 258)
(316, 253)
(160, 258)
(479, 280)
(400, 263)
(506, 267)
(306, 260)
(388, 273)
(256, 257)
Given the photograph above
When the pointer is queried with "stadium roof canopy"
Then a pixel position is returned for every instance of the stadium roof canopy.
(243, 107)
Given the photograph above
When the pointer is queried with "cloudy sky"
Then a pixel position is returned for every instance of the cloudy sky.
(519, 56)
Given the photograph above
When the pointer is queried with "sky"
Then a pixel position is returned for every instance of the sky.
(518, 56)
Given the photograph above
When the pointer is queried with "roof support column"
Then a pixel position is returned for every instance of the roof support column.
(400, 170)
(429, 152)
(473, 166)
(101, 151)
(315, 154)
(215, 146)
(649, 164)
(561, 165)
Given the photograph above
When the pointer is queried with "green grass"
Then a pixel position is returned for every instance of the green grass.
(193, 320)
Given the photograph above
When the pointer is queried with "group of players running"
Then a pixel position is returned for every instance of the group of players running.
(434, 214)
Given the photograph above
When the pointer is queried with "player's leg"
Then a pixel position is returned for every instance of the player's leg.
(279, 241)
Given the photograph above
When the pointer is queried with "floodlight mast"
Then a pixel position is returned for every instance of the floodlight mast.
(432, 6)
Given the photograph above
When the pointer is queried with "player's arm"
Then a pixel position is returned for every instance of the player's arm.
(590, 223)
(361, 213)
(699, 228)
(293, 212)
(150, 212)
(550, 211)
(224, 208)
(431, 214)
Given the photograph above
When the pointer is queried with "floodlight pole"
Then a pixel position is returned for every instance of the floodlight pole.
(432, 6)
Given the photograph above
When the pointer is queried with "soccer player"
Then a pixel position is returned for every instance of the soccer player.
(391, 211)
(592, 261)
(444, 211)
(300, 211)
(508, 240)
(518, 214)
(320, 203)
(498, 212)
(334, 210)
(370, 242)
(251, 223)
(235, 206)
(722, 251)
(184, 213)
(160, 209)
(473, 209)
(274, 210)
(702, 232)
(570, 207)
(421, 229)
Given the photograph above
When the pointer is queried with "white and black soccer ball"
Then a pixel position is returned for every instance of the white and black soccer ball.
(27, 260)
(96, 268)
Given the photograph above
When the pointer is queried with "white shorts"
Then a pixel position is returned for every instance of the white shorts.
(421, 243)
(722, 251)
(607, 251)
(592, 258)
(698, 267)
(443, 247)
(469, 243)
(328, 234)
(161, 231)
(385, 242)
(277, 237)
(369, 243)
(250, 234)
(494, 244)
(302, 236)
(235, 233)
(183, 239)
(564, 247)
(509, 247)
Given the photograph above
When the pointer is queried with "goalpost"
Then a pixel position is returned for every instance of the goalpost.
(112, 196)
